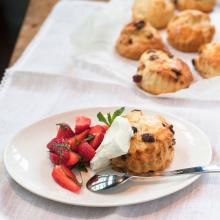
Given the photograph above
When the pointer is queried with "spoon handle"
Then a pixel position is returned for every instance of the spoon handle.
(191, 170)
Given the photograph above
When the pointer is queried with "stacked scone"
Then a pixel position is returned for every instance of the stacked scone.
(190, 30)
(151, 147)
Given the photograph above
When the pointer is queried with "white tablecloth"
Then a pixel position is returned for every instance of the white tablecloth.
(42, 84)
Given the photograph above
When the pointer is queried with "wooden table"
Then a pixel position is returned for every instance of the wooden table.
(36, 14)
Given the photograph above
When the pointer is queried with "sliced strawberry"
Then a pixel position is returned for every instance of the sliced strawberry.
(54, 142)
(54, 158)
(97, 140)
(60, 158)
(65, 178)
(64, 131)
(86, 151)
(105, 127)
(75, 141)
(97, 129)
(58, 147)
(73, 159)
(82, 123)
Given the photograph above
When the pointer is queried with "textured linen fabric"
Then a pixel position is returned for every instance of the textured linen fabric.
(44, 82)
(27, 97)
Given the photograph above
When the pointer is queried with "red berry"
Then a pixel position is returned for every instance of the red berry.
(73, 159)
(82, 123)
(64, 131)
(65, 178)
(97, 140)
(54, 158)
(86, 151)
(54, 142)
(105, 127)
(75, 141)
(58, 147)
(97, 129)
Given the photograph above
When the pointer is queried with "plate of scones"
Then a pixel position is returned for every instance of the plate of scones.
(167, 48)
(73, 146)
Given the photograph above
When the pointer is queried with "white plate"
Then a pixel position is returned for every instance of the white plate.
(26, 160)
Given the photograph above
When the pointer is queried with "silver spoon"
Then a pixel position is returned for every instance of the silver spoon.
(106, 181)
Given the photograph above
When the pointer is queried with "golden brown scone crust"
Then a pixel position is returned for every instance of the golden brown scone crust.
(190, 29)
(151, 147)
(136, 38)
(157, 12)
(207, 63)
(202, 5)
(159, 73)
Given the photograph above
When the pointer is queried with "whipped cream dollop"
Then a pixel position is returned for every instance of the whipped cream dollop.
(115, 143)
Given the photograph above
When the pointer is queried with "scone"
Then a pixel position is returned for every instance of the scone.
(207, 63)
(151, 147)
(202, 5)
(190, 29)
(137, 37)
(157, 12)
(159, 73)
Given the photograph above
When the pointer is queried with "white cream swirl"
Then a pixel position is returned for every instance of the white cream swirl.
(115, 143)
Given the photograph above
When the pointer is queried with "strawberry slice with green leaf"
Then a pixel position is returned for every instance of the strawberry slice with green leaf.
(75, 141)
(97, 140)
(59, 151)
(82, 123)
(65, 178)
(64, 131)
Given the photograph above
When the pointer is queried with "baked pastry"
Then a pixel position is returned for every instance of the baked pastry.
(151, 147)
(160, 73)
(157, 12)
(207, 63)
(190, 29)
(202, 5)
(137, 37)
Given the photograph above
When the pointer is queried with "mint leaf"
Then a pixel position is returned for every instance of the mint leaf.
(89, 137)
(81, 167)
(101, 118)
(117, 113)
(109, 118)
